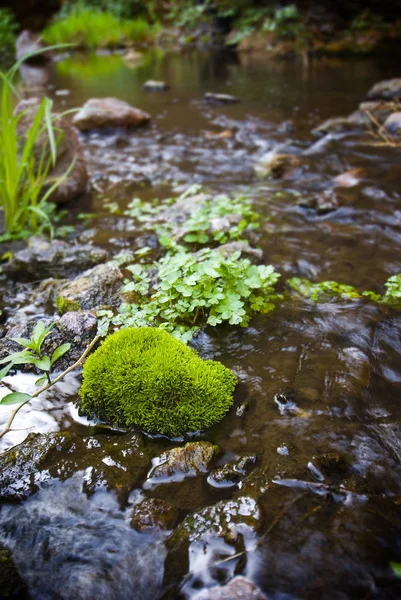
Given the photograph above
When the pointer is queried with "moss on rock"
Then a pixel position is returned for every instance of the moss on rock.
(65, 305)
(147, 378)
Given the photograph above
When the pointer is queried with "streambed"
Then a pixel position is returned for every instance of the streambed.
(321, 382)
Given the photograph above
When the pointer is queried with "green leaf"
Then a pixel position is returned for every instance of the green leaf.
(15, 398)
(41, 381)
(22, 342)
(59, 352)
(42, 363)
(4, 371)
(18, 358)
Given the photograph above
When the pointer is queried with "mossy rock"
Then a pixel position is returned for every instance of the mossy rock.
(144, 377)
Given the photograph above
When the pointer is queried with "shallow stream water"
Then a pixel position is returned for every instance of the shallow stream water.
(322, 381)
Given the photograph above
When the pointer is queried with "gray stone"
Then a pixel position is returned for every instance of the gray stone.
(28, 42)
(211, 98)
(109, 112)
(393, 124)
(155, 86)
(239, 588)
(386, 90)
(42, 259)
(96, 287)
(246, 250)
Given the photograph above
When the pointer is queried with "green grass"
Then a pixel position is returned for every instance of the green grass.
(88, 27)
(25, 163)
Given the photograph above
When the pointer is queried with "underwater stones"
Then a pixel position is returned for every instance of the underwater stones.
(153, 513)
(96, 287)
(109, 112)
(155, 86)
(211, 98)
(386, 90)
(42, 259)
(145, 377)
(187, 461)
(226, 519)
(12, 586)
(232, 472)
(69, 152)
(239, 588)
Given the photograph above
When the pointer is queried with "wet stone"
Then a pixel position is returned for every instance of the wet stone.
(393, 124)
(192, 459)
(334, 125)
(386, 90)
(12, 585)
(155, 86)
(153, 513)
(211, 98)
(42, 259)
(109, 112)
(232, 472)
(239, 588)
(277, 166)
(96, 287)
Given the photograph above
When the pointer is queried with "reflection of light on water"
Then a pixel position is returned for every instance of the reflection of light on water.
(43, 414)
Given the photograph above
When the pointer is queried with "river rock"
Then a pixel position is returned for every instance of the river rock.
(104, 460)
(239, 588)
(28, 42)
(277, 165)
(12, 586)
(349, 178)
(155, 86)
(42, 259)
(232, 472)
(153, 513)
(393, 124)
(211, 98)
(244, 248)
(69, 152)
(96, 287)
(187, 461)
(334, 125)
(386, 90)
(109, 112)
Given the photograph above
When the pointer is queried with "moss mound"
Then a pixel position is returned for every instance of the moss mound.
(147, 378)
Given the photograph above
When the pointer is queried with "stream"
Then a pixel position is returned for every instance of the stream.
(321, 382)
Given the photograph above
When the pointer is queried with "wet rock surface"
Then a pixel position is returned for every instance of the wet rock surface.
(232, 472)
(153, 513)
(105, 461)
(42, 259)
(386, 90)
(238, 588)
(192, 459)
(109, 112)
(12, 586)
(212, 98)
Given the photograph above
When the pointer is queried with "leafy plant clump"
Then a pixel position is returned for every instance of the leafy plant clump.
(144, 377)
(184, 291)
(24, 176)
(8, 29)
(91, 27)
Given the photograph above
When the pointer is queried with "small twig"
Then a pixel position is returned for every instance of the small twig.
(7, 385)
(46, 386)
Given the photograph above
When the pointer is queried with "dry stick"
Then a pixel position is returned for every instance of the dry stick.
(49, 385)
(381, 132)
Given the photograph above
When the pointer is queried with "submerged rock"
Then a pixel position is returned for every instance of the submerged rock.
(153, 513)
(211, 98)
(386, 90)
(109, 112)
(12, 586)
(190, 460)
(239, 588)
(110, 461)
(232, 472)
(96, 287)
(42, 259)
(69, 152)
(155, 86)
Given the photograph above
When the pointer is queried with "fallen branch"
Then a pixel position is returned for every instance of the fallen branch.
(48, 385)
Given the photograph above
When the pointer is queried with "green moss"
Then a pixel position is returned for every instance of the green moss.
(147, 378)
(65, 305)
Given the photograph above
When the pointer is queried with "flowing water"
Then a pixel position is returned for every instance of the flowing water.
(321, 381)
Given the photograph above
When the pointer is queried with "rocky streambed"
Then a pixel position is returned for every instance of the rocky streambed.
(296, 493)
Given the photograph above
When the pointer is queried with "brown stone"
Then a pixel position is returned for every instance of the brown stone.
(109, 112)
(153, 513)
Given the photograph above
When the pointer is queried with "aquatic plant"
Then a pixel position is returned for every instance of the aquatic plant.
(144, 377)
(392, 294)
(24, 174)
(321, 291)
(184, 291)
(90, 27)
